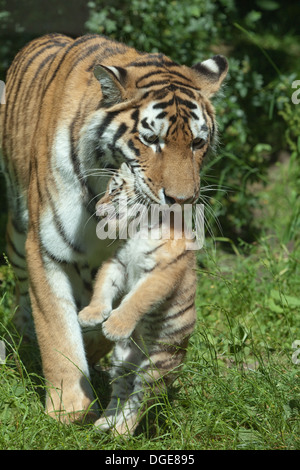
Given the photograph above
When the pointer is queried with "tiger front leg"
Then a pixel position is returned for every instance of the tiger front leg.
(108, 285)
(69, 394)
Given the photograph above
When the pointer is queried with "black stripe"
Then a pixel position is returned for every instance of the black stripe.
(84, 54)
(135, 117)
(59, 225)
(33, 170)
(120, 262)
(187, 103)
(160, 94)
(16, 251)
(188, 327)
(171, 362)
(76, 43)
(154, 62)
(184, 253)
(132, 147)
(175, 85)
(147, 253)
(161, 115)
(180, 312)
(34, 82)
(122, 155)
(165, 104)
(63, 234)
(54, 258)
(145, 123)
(194, 116)
(154, 83)
(74, 155)
(109, 117)
(149, 270)
(121, 131)
(168, 75)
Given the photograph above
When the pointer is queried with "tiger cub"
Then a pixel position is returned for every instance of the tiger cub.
(156, 281)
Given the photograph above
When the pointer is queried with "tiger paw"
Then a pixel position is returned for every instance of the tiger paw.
(93, 315)
(116, 328)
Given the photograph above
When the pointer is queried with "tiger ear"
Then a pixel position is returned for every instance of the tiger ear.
(211, 74)
(112, 81)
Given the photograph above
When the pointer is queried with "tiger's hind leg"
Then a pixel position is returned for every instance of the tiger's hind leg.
(15, 238)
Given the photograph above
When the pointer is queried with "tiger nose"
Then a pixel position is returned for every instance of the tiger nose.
(170, 200)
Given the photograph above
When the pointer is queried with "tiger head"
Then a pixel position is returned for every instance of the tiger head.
(155, 116)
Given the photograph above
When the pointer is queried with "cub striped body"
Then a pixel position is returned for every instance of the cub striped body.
(155, 278)
(75, 108)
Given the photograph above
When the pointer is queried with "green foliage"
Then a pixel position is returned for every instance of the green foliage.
(154, 26)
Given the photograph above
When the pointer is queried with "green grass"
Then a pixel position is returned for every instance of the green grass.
(239, 388)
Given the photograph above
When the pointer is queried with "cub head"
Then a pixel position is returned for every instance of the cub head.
(120, 195)
(156, 116)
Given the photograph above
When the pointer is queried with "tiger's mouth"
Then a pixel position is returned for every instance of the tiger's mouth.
(141, 192)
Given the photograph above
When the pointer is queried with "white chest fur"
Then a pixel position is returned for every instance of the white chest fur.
(136, 256)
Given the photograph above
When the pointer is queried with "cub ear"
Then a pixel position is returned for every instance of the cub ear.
(211, 73)
(113, 82)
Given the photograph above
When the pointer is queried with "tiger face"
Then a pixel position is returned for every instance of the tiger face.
(157, 118)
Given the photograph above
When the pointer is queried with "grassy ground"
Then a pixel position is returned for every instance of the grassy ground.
(240, 385)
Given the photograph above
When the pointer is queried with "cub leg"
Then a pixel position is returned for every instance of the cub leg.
(140, 375)
(122, 376)
(147, 293)
(108, 286)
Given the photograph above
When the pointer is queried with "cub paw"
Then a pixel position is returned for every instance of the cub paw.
(92, 316)
(116, 329)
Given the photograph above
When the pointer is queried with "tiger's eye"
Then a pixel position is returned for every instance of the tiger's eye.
(151, 139)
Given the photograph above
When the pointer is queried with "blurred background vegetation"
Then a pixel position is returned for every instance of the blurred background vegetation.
(258, 122)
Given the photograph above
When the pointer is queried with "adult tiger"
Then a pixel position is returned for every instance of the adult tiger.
(74, 107)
